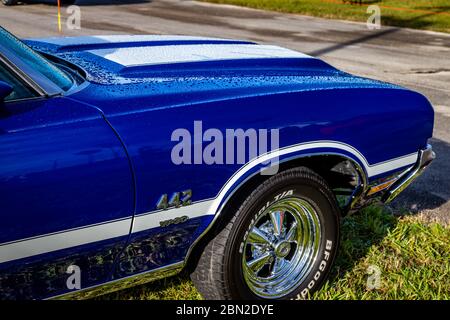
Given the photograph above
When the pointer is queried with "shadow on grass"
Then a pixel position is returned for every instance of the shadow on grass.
(359, 232)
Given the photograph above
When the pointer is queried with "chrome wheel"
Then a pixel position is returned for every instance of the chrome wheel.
(281, 247)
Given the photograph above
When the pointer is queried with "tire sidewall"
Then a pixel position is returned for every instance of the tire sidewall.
(318, 198)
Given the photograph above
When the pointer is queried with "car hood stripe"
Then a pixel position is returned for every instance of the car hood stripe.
(160, 55)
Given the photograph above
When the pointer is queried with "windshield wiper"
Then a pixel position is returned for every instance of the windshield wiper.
(73, 71)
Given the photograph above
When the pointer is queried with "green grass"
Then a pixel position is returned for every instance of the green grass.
(413, 257)
(418, 14)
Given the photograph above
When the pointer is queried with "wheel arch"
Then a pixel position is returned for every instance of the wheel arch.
(321, 163)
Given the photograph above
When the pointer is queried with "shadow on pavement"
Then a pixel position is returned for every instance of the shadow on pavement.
(416, 22)
(432, 189)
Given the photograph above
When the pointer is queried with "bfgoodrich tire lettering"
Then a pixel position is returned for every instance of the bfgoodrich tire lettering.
(279, 244)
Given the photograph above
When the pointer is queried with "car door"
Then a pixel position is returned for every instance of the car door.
(66, 194)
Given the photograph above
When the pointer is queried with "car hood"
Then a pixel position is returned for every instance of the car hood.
(131, 59)
(193, 69)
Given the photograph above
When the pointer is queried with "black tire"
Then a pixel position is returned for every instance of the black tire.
(219, 273)
(9, 2)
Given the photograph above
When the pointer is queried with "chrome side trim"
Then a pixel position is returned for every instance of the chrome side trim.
(122, 283)
(426, 156)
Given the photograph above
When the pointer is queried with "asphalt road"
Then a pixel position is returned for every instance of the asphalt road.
(419, 60)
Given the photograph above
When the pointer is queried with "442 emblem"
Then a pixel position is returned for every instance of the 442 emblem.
(178, 199)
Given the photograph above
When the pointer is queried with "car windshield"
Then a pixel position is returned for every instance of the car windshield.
(34, 60)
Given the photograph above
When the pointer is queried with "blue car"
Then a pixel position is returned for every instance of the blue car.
(124, 159)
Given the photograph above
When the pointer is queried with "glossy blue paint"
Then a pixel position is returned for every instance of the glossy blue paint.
(328, 114)
(61, 167)
(329, 104)
(102, 151)
(68, 148)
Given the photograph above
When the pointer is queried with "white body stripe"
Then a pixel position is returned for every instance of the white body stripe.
(149, 221)
(372, 170)
(67, 239)
(70, 238)
(383, 167)
(63, 240)
(140, 56)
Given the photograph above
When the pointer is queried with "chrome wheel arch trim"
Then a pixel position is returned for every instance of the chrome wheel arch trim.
(360, 162)
(222, 199)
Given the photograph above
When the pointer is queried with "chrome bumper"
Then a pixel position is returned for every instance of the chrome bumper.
(426, 156)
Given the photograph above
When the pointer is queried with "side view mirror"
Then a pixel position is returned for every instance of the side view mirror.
(5, 90)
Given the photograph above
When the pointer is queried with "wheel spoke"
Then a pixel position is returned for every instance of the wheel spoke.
(278, 264)
(257, 236)
(292, 233)
(277, 218)
(258, 263)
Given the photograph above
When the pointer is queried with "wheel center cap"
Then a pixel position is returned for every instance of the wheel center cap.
(282, 249)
